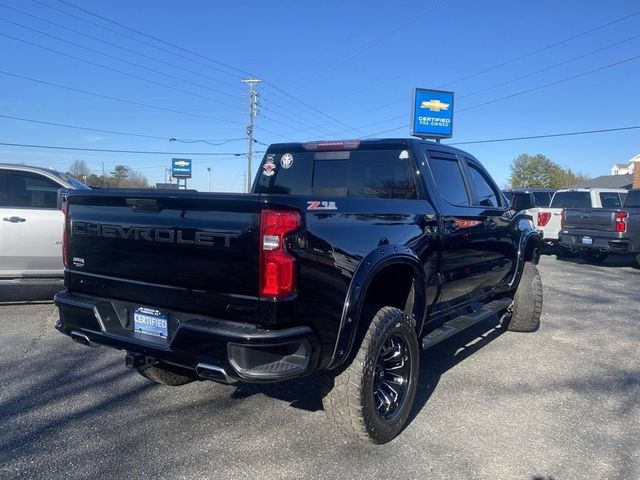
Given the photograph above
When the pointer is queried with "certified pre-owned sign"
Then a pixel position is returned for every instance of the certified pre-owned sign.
(180, 168)
(432, 115)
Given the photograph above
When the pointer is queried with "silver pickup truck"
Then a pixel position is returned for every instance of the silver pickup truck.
(548, 221)
(598, 232)
(31, 224)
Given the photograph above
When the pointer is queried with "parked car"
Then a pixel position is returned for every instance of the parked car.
(345, 260)
(31, 226)
(548, 221)
(538, 197)
(541, 196)
(598, 232)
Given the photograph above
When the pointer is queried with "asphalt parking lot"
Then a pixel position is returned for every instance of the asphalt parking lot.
(561, 403)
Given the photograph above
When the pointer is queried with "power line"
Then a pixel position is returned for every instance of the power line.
(130, 63)
(162, 61)
(122, 72)
(542, 49)
(379, 39)
(156, 39)
(531, 74)
(555, 82)
(130, 37)
(172, 45)
(123, 100)
(117, 132)
(310, 107)
(135, 152)
(493, 67)
(516, 94)
(551, 135)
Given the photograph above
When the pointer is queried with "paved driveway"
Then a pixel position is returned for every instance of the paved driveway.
(561, 403)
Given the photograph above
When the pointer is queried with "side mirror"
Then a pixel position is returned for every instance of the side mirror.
(522, 201)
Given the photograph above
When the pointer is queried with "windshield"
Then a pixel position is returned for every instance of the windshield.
(571, 200)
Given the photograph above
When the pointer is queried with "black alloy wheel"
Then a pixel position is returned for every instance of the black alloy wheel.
(392, 377)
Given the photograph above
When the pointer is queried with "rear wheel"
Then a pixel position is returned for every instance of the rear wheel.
(527, 301)
(370, 400)
(163, 376)
(590, 256)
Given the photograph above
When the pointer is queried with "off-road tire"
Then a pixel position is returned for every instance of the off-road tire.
(157, 374)
(593, 257)
(348, 397)
(527, 301)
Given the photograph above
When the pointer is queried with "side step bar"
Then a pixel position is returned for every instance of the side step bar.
(462, 322)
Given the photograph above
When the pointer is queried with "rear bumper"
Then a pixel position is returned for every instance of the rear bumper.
(213, 349)
(602, 242)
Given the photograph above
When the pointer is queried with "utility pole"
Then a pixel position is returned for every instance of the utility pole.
(209, 178)
(253, 108)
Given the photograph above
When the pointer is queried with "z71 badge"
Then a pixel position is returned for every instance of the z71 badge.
(318, 205)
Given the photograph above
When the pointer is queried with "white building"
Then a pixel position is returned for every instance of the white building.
(625, 168)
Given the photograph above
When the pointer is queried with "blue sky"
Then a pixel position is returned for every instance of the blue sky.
(331, 70)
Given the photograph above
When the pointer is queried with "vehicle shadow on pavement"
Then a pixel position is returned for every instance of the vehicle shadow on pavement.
(306, 394)
(442, 357)
(15, 294)
(612, 261)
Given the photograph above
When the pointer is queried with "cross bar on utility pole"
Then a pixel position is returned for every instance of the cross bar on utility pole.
(253, 108)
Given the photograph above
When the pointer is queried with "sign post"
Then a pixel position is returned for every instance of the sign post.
(432, 114)
(181, 169)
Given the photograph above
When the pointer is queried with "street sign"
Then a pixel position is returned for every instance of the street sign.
(432, 114)
(181, 168)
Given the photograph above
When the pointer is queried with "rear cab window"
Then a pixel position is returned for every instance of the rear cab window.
(543, 199)
(366, 173)
(571, 200)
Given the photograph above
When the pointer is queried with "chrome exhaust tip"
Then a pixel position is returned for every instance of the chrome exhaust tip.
(82, 339)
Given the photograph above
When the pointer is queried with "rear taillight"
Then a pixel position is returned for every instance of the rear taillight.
(543, 218)
(563, 218)
(621, 222)
(277, 265)
(65, 232)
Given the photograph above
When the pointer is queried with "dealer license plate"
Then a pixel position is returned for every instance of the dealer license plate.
(151, 322)
(587, 240)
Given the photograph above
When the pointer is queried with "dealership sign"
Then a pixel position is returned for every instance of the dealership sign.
(432, 115)
(180, 168)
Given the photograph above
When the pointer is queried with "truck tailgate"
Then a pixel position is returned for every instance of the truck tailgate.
(596, 219)
(202, 249)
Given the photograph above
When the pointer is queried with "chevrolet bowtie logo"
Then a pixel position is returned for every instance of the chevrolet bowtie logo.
(434, 105)
(181, 163)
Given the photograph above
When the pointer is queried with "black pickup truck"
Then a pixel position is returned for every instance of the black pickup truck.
(346, 259)
(598, 232)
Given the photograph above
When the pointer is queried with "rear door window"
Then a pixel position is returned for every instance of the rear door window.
(571, 200)
(610, 200)
(448, 178)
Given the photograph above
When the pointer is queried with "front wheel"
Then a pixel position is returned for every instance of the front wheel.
(371, 399)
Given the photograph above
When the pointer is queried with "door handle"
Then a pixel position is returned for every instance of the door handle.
(14, 219)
